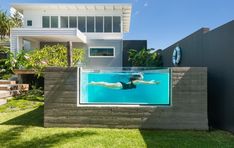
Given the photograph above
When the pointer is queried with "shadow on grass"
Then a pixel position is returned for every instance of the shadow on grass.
(7, 137)
(53, 140)
(187, 138)
(32, 118)
(12, 138)
(49, 141)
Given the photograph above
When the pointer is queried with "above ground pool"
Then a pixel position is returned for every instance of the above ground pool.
(136, 86)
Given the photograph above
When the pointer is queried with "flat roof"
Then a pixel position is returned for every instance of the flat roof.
(126, 8)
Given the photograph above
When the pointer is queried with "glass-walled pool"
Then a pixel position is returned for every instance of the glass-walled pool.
(136, 86)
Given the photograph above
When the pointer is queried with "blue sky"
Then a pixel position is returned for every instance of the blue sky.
(163, 22)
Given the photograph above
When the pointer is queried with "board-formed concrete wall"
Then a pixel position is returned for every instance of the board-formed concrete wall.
(188, 109)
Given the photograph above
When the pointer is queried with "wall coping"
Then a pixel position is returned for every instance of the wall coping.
(70, 69)
(60, 69)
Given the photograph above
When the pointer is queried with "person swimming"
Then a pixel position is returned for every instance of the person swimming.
(134, 80)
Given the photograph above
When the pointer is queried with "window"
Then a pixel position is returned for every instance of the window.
(29, 22)
(99, 24)
(90, 24)
(116, 24)
(45, 21)
(107, 24)
(54, 21)
(73, 22)
(64, 21)
(82, 23)
(101, 52)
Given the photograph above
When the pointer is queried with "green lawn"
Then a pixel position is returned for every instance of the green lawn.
(21, 126)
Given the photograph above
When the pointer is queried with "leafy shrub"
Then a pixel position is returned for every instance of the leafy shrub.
(55, 55)
(5, 62)
(144, 58)
(35, 94)
(38, 59)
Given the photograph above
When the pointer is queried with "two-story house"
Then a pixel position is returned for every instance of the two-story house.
(97, 28)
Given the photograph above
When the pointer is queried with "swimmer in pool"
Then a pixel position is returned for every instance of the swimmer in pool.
(133, 81)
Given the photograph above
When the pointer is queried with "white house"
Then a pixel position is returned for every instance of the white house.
(97, 28)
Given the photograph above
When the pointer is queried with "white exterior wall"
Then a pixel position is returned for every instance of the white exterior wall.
(36, 17)
(36, 34)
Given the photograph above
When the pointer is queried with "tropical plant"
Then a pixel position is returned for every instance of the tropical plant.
(4, 24)
(6, 62)
(16, 19)
(7, 22)
(38, 59)
(144, 58)
(34, 94)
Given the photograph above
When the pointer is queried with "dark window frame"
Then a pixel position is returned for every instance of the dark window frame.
(116, 25)
(29, 22)
(101, 56)
(67, 26)
(69, 20)
(43, 25)
(106, 29)
(90, 30)
(85, 24)
(52, 25)
(96, 23)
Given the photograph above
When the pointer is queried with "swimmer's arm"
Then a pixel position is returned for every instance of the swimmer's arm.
(145, 82)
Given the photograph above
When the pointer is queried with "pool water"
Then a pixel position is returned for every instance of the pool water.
(147, 94)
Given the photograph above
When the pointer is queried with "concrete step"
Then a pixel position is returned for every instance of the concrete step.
(7, 82)
(4, 94)
(8, 87)
(7, 93)
(3, 101)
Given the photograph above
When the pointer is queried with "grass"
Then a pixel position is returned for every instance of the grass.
(17, 105)
(23, 127)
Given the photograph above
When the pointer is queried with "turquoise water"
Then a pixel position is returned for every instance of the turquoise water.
(143, 94)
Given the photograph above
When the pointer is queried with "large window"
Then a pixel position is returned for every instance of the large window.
(82, 23)
(116, 24)
(64, 21)
(99, 23)
(73, 22)
(90, 24)
(45, 21)
(107, 24)
(54, 21)
(101, 52)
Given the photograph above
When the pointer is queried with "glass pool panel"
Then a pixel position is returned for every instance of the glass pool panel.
(151, 94)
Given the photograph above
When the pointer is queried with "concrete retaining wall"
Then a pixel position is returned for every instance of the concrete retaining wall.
(188, 109)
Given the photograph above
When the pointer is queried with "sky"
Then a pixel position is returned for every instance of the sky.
(162, 22)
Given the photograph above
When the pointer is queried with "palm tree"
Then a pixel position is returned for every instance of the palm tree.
(7, 22)
(16, 20)
(4, 24)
